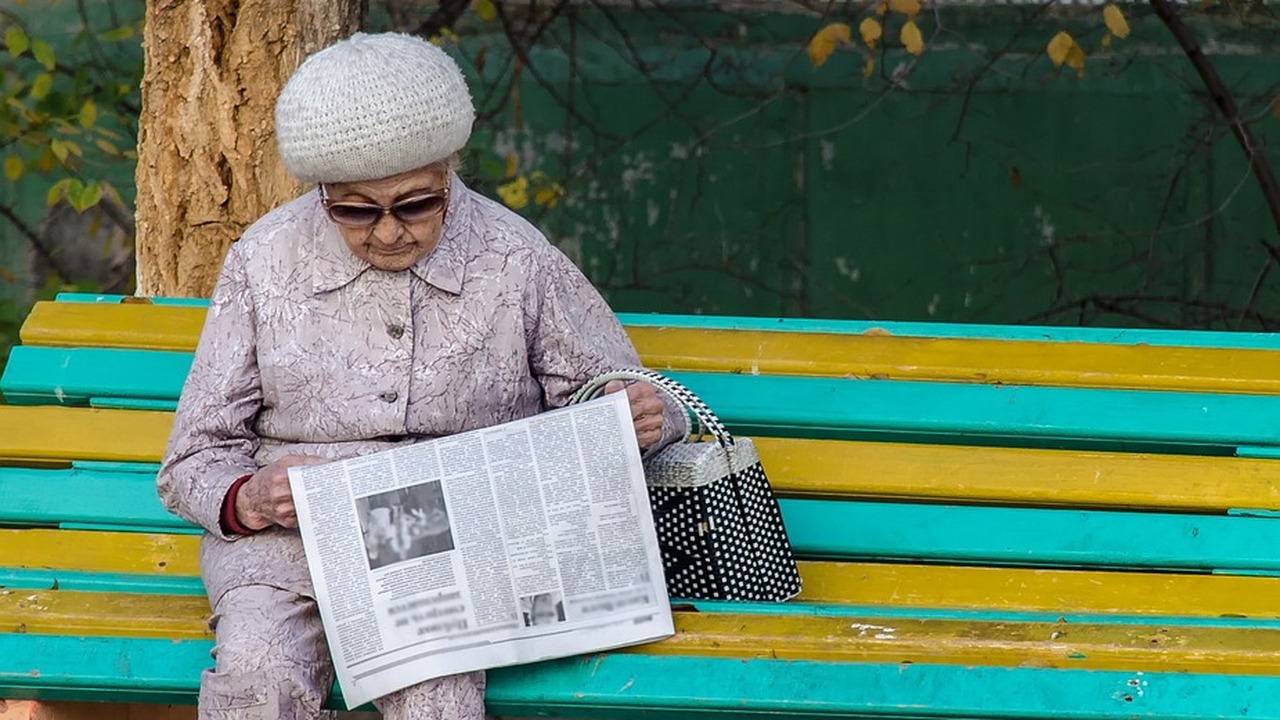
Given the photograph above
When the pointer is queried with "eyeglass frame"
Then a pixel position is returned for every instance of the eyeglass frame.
(383, 210)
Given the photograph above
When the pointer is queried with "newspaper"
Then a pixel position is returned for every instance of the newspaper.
(520, 542)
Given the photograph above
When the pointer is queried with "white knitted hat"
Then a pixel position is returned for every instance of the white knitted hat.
(370, 107)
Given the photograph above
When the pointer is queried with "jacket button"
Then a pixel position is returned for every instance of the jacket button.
(389, 396)
(395, 331)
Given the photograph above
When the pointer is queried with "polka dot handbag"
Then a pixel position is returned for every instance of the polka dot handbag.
(717, 521)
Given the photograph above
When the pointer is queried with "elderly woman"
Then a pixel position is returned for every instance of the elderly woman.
(388, 305)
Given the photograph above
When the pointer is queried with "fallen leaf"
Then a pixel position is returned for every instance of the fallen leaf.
(1114, 18)
(869, 67)
(870, 31)
(911, 38)
(825, 41)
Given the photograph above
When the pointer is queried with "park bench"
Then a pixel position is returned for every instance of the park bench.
(993, 522)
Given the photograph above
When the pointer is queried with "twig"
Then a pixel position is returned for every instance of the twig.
(1227, 106)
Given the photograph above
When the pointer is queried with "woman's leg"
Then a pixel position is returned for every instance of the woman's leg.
(453, 697)
(271, 661)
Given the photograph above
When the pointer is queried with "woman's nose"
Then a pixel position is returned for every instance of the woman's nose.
(387, 230)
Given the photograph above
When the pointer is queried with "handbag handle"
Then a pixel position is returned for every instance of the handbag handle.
(708, 423)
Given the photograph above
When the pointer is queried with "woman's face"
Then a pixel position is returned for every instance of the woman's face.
(391, 244)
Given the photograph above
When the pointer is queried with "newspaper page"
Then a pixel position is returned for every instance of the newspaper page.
(520, 542)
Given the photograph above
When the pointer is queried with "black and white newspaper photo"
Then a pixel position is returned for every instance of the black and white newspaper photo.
(516, 543)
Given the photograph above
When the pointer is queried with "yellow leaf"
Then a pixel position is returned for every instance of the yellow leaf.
(41, 86)
(869, 67)
(513, 165)
(88, 114)
(871, 32)
(13, 167)
(549, 195)
(910, 8)
(1058, 48)
(911, 38)
(1106, 41)
(1075, 59)
(515, 193)
(106, 146)
(485, 10)
(1115, 21)
(825, 41)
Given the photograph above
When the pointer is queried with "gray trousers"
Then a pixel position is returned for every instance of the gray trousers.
(271, 662)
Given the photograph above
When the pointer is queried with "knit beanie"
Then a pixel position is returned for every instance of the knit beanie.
(370, 107)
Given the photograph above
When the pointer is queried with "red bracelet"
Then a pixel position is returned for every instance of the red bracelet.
(230, 523)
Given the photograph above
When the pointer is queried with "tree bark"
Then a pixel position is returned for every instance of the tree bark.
(207, 160)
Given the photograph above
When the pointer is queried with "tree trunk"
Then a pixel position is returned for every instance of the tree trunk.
(207, 160)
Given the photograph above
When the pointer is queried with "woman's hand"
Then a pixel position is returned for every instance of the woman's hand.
(265, 499)
(646, 411)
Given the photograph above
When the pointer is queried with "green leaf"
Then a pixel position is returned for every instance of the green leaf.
(16, 41)
(88, 196)
(43, 53)
(41, 86)
(60, 149)
(88, 114)
(13, 168)
(124, 32)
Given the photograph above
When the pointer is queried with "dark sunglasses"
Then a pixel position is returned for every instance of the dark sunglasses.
(408, 211)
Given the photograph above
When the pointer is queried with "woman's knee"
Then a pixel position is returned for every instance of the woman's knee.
(270, 657)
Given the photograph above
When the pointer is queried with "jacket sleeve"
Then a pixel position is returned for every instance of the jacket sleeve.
(213, 440)
(574, 336)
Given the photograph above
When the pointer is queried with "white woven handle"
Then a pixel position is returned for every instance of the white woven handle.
(707, 421)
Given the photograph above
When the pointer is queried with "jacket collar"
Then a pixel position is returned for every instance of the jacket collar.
(333, 265)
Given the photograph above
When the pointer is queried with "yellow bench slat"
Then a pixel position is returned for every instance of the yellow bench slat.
(788, 637)
(1016, 362)
(1011, 362)
(962, 642)
(62, 612)
(44, 433)
(835, 468)
(139, 326)
(1035, 590)
(797, 467)
(869, 584)
(102, 552)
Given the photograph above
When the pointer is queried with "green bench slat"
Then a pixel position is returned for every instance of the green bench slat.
(985, 414)
(1115, 336)
(73, 376)
(645, 686)
(54, 497)
(1022, 536)
(902, 410)
(44, 579)
(934, 533)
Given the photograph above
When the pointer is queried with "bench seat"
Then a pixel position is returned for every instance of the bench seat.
(1008, 523)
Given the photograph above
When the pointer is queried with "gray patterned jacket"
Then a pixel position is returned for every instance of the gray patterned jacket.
(307, 349)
